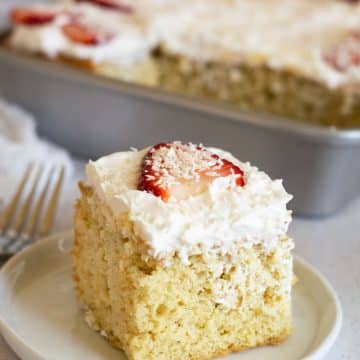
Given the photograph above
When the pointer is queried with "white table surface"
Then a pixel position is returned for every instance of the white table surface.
(333, 246)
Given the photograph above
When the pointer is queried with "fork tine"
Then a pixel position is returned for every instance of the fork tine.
(51, 209)
(10, 209)
(22, 214)
(32, 222)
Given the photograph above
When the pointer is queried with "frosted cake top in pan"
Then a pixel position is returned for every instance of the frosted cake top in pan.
(82, 31)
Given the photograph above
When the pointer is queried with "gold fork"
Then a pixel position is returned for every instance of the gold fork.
(26, 217)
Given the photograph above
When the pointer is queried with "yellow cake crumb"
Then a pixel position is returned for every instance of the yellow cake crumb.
(198, 310)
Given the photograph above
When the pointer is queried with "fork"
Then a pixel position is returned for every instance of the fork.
(23, 221)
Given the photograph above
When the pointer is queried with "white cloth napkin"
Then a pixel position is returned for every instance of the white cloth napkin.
(20, 145)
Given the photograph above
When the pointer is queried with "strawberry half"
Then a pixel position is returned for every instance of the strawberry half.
(345, 54)
(25, 16)
(85, 35)
(111, 4)
(176, 170)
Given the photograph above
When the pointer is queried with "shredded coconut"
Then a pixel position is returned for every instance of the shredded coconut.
(170, 163)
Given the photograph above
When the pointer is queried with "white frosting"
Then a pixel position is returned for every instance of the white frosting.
(282, 34)
(132, 40)
(219, 219)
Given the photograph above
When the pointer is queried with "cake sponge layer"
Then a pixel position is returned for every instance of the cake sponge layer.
(197, 310)
(258, 87)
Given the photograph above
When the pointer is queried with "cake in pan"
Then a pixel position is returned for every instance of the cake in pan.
(110, 42)
(181, 252)
(298, 59)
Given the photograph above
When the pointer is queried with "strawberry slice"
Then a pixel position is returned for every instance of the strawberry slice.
(111, 4)
(344, 54)
(85, 35)
(176, 170)
(26, 16)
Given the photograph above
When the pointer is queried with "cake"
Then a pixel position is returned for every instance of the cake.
(109, 41)
(296, 59)
(181, 252)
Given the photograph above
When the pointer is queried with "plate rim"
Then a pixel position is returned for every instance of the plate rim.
(11, 336)
(326, 344)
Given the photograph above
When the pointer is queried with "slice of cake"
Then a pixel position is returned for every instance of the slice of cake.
(108, 40)
(181, 252)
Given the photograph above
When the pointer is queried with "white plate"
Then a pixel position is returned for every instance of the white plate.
(40, 318)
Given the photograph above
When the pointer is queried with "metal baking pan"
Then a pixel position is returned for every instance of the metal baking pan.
(92, 116)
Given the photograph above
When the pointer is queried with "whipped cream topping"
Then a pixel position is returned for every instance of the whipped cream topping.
(221, 219)
(131, 38)
(282, 34)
